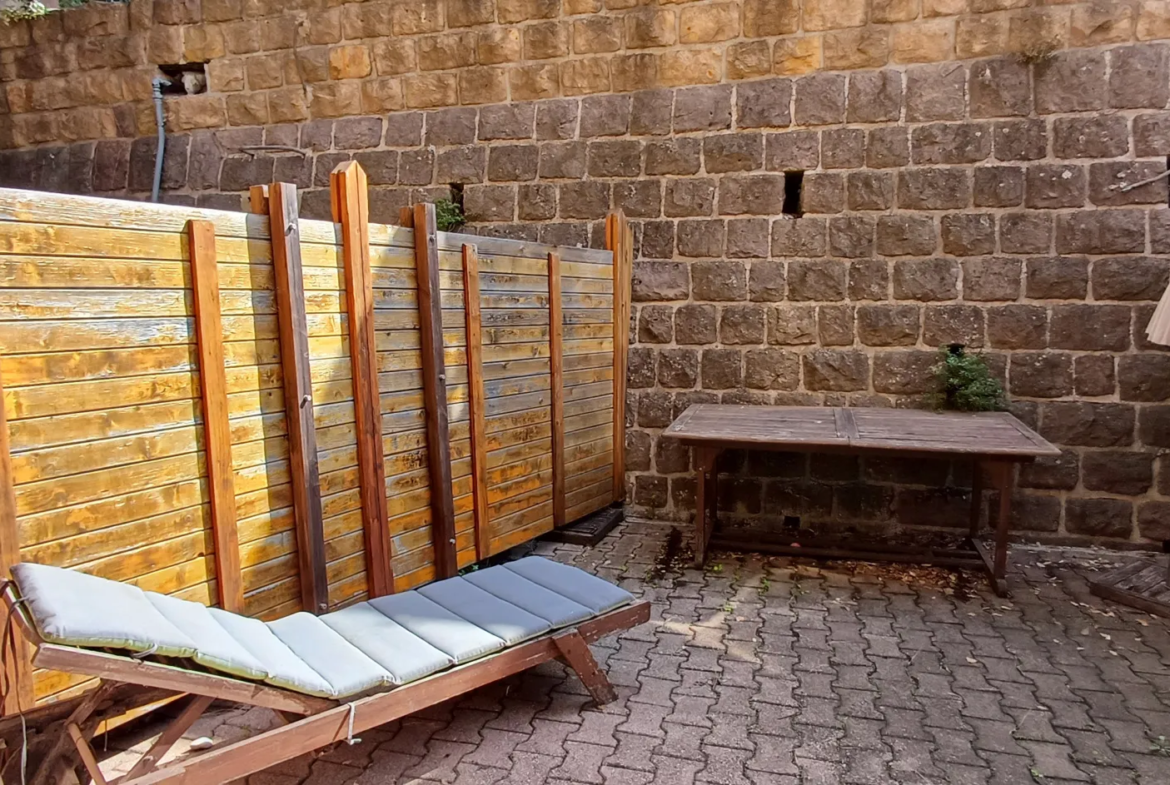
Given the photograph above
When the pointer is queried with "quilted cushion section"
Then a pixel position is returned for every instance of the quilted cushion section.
(284, 668)
(460, 640)
(216, 649)
(558, 611)
(346, 669)
(404, 655)
(75, 609)
(579, 586)
(486, 611)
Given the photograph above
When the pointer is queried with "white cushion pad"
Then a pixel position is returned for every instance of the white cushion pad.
(216, 648)
(460, 640)
(510, 624)
(347, 670)
(75, 609)
(558, 610)
(579, 586)
(404, 655)
(284, 668)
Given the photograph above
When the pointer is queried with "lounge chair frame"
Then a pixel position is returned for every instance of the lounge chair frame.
(311, 723)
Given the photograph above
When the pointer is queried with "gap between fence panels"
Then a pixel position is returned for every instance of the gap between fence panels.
(337, 428)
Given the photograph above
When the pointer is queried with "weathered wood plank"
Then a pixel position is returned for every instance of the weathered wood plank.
(476, 398)
(557, 384)
(298, 395)
(426, 246)
(351, 210)
(18, 667)
(216, 430)
(619, 240)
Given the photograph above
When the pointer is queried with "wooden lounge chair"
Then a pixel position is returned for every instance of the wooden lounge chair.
(350, 670)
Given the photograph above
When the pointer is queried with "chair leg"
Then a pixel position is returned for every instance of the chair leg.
(85, 752)
(149, 762)
(575, 651)
(55, 759)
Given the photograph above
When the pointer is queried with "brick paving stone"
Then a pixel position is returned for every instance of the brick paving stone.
(582, 762)
(682, 741)
(633, 752)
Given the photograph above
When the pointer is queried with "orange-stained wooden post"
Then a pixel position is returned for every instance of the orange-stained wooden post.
(18, 662)
(351, 210)
(298, 392)
(434, 373)
(476, 400)
(619, 238)
(216, 429)
(556, 350)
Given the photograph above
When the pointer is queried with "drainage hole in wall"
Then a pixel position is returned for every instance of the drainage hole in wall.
(184, 78)
(793, 185)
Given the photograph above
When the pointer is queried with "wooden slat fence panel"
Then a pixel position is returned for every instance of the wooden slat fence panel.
(104, 399)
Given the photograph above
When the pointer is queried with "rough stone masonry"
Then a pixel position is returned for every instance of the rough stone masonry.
(824, 193)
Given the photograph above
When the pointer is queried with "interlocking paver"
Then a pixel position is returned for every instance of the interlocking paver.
(823, 674)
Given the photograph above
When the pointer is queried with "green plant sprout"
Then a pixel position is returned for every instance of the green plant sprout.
(448, 215)
(965, 384)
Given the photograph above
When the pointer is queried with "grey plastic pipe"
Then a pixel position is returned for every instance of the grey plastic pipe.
(157, 86)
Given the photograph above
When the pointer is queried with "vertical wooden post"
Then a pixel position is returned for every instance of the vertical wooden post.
(17, 659)
(216, 430)
(298, 393)
(351, 210)
(430, 318)
(619, 239)
(477, 400)
(556, 377)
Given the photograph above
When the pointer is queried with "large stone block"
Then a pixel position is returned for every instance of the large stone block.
(1099, 517)
(742, 324)
(764, 104)
(615, 158)
(792, 325)
(764, 18)
(1020, 140)
(656, 324)
(1084, 424)
(512, 162)
(1001, 87)
(798, 237)
(771, 369)
(1130, 278)
(718, 280)
(638, 198)
(1041, 374)
(689, 197)
(759, 194)
(695, 324)
(888, 325)
(908, 372)
(747, 238)
(562, 160)
(820, 99)
(584, 200)
(887, 147)
(605, 115)
(933, 189)
(674, 156)
(999, 186)
(1071, 81)
(968, 234)
(1143, 377)
(1017, 327)
(851, 236)
(843, 148)
(1025, 233)
(1107, 181)
(1105, 136)
(749, 60)
(490, 202)
(792, 150)
(1101, 232)
(906, 235)
(1057, 278)
(951, 143)
(836, 370)
(874, 96)
(943, 325)
(1095, 375)
(722, 369)
(537, 202)
(820, 280)
(767, 282)
(733, 152)
(866, 190)
(995, 278)
(926, 279)
(462, 165)
(936, 92)
(650, 112)
(703, 108)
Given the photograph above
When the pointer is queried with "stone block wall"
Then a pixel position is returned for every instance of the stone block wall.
(824, 193)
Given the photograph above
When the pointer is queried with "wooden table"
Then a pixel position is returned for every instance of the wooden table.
(993, 441)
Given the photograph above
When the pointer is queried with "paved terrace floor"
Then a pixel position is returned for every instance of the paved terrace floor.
(762, 670)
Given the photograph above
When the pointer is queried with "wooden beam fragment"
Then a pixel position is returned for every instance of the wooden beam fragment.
(557, 381)
(216, 429)
(619, 239)
(298, 394)
(351, 209)
(477, 400)
(430, 313)
(17, 663)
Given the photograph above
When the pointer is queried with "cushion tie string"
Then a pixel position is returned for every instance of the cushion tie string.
(350, 739)
(142, 655)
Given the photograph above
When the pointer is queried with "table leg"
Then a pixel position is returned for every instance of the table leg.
(705, 500)
(1004, 474)
(976, 498)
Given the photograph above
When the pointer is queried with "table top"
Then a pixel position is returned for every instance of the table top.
(995, 434)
